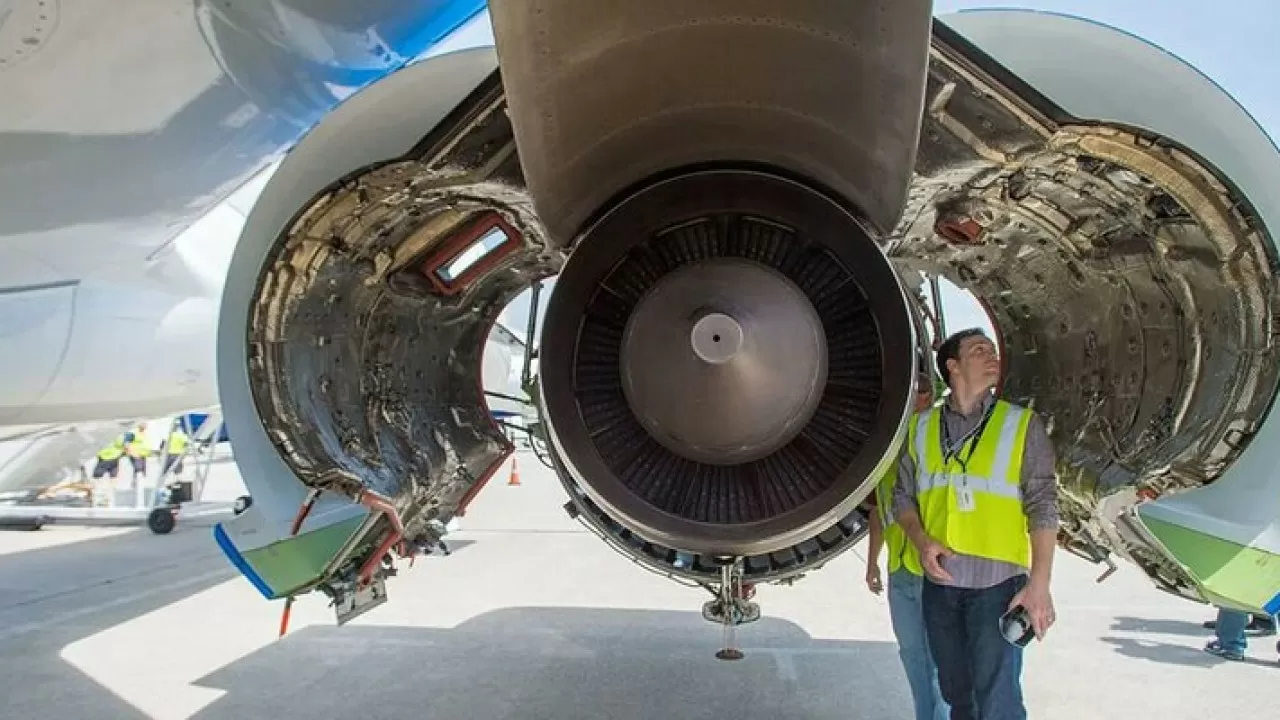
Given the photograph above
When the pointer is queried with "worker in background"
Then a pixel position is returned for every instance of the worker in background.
(1259, 625)
(1229, 632)
(174, 447)
(137, 448)
(977, 496)
(905, 583)
(107, 465)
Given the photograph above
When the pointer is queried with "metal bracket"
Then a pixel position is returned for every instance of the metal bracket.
(353, 604)
(731, 607)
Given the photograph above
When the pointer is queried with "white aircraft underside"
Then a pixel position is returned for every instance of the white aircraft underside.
(263, 192)
(122, 206)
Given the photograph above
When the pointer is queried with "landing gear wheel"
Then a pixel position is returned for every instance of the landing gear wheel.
(161, 521)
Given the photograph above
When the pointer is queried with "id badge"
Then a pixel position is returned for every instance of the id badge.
(964, 495)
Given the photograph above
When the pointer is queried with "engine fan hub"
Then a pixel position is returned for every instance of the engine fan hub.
(724, 361)
(727, 363)
(716, 338)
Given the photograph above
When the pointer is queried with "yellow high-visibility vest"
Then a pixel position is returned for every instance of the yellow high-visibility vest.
(176, 443)
(902, 552)
(139, 447)
(974, 507)
(113, 451)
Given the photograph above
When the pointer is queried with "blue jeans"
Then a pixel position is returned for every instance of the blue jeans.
(913, 646)
(1230, 630)
(979, 672)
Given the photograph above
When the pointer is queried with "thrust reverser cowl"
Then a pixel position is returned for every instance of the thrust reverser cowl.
(1213, 530)
(606, 94)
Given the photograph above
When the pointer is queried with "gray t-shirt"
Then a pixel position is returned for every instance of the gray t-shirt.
(1039, 491)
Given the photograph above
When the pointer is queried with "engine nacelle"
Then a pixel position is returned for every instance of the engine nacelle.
(728, 356)
(364, 337)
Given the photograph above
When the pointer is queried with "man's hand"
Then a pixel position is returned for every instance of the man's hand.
(874, 583)
(1038, 601)
(932, 553)
(1035, 597)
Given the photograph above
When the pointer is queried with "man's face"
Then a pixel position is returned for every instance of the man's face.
(924, 395)
(977, 364)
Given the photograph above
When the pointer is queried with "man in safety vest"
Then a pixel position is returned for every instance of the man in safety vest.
(174, 446)
(906, 614)
(108, 462)
(138, 448)
(977, 496)
(105, 471)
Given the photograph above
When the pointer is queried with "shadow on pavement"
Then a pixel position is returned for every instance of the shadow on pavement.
(562, 663)
(1161, 627)
(81, 592)
(456, 545)
(1188, 655)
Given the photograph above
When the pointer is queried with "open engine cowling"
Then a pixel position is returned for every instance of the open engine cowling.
(362, 354)
(1130, 281)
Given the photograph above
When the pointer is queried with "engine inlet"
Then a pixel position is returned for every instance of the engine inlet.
(727, 363)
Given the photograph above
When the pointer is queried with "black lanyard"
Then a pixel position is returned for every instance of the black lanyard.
(973, 437)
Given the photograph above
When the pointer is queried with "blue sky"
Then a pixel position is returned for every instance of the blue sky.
(1234, 42)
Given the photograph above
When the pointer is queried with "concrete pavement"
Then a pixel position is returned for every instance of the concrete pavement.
(533, 617)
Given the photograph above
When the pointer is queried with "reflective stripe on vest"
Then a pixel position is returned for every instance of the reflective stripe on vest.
(996, 527)
(902, 552)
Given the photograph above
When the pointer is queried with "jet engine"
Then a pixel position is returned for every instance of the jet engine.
(739, 201)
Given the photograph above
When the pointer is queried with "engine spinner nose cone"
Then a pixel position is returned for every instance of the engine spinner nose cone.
(716, 338)
(724, 361)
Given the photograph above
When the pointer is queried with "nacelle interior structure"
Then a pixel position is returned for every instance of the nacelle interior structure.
(740, 202)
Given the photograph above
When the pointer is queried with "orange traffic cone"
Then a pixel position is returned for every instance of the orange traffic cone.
(515, 474)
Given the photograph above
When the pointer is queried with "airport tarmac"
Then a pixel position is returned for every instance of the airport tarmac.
(533, 617)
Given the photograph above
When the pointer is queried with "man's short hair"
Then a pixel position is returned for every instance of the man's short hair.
(950, 350)
(924, 378)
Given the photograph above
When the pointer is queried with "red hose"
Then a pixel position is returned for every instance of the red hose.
(379, 503)
(303, 511)
(373, 501)
(284, 617)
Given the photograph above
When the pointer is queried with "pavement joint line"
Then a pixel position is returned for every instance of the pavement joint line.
(97, 608)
